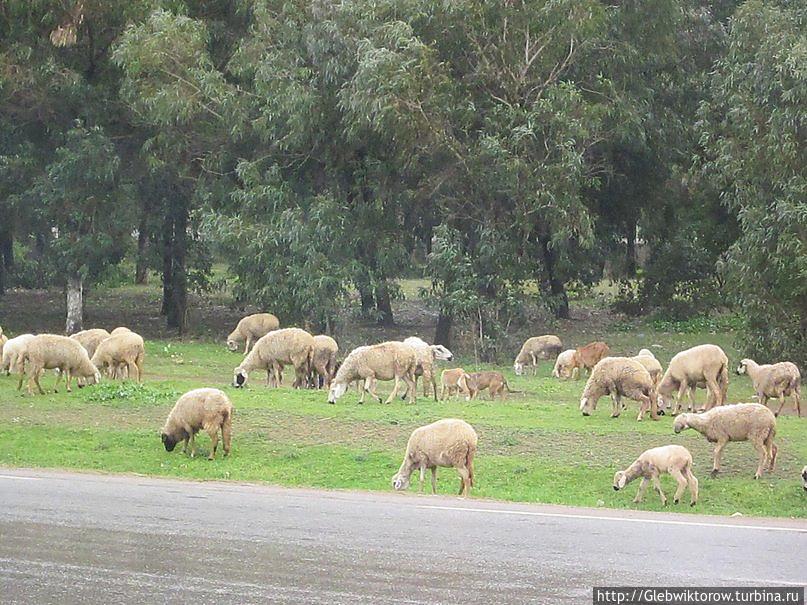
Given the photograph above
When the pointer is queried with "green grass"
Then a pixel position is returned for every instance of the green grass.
(534, 447)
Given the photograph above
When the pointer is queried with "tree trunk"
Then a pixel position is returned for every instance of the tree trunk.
(557, 289)
(366, 296)
(75, 304)
(442, 335)
(141, 268)
(168, 263)
(383, 304)
(177, 308)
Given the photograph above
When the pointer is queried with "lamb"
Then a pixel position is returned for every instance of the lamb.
(208, 409)
(618, 377)
(564, 365)
(125, 348)
(651, 364)
(586, 357)
(90, 339)
(250, 329)
(739, 422)
(426, 356)
(535, 348)
(448, 442)
(323, 360)
(386, 361)
(451, 382)
(49, 352)
(673, 459)
(778, 380)
(12, 353)
(495, 382)
(701, 364)
(289, 346)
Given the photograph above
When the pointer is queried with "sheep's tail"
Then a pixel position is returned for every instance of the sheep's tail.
(770, 446)
(723, 383)
(469, 464)
(509, 390)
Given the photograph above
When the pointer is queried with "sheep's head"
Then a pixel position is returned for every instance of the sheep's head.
(804, 477)
(645, 353)
(586, 405)
(336, 391)
(400, 481)
(441, 353)
(239, 378)
(232, 345)
(169, 441)
(620, 480)
(518, 368)
(742, 369)
(681, 423)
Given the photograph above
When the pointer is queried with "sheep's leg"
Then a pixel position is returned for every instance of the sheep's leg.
(192, 442)
(762, 450)
(35, 379)
(682, 484)
(69, 380)
(692, 405)
(59, 375)
(226, 434)
(465, 481)
(442, 392)
(247, 343)
(214, 442)
(718, 454)
(781, 403)
(411, 387)
(713, 388)
(641, 490)
(131, 368)
(692, 481)
(657, 487)
(185, 444)
(395, 387)
(369, 386)
(434, 480)
(616, 402)
(797, 399)
(422, 477)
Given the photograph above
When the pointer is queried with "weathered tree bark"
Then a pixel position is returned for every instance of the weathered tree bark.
(75, 304)
(442, 334)
(383, 304)
(168, 263)
(175, 281)
(366, 296)
(557, 289)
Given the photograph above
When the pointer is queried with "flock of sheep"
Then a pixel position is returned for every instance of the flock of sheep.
(449, 442)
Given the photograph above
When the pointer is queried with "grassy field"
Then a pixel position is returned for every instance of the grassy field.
(535, 447)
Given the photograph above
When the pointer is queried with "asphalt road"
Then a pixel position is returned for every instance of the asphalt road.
(80, 538)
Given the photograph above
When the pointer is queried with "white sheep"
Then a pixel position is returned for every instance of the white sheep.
(12, 353)
(250, 329)
(3, 341)
(739, 422)
(119, 330)
(449, 443)
(201, 409)
(125, 348)
(535, 348)
(54, 352)
(386, 361)
(705, 364)
(323, 360)
(426, 356)
(673, 459)
(651, 364)
(777, 381)
(619, 377)
(90, 339)
(289, 346)
(564, 365)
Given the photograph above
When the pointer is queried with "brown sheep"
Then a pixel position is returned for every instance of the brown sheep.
(495, 382)
(451, 383)
(586, 357)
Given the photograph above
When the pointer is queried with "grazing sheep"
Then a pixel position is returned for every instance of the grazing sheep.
(495, 382)
(207, 409)
(652, 365)
(451, 382)
(250, 329)
(535, 348)
(426, 356)
(54, 352)
(564, 365)
(124, 349)
(804, 477)
(448, 442)
(739, 422)
(586, 357)
(706, 364)
(386, 361)
(323, 361)
(645, 352)
(119, 330)
(618, 377)
(90, 339)
(673, 459)
(12, 353)
(778, 380)
(289, 346)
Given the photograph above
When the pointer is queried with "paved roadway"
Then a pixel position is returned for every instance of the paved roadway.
(82, 538)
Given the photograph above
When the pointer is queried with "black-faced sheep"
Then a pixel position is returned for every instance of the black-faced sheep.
(535, 348)
(201, 409)
(54, 352)
(673, 459)
(619, 377)
(774, 381)
(289, 346)
(702, 364)
(386, 361)
(250, 329)
(739, 422)
(448, 443)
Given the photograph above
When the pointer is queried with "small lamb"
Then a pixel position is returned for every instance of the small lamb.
(673, 459)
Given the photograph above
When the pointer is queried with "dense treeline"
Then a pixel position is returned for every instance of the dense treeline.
(507, 150)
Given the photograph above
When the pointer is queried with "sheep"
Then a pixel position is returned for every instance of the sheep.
(451, 382)
(49, 352)
(535, 348)
(618, 377)
(90, 339)
(651, 364)
(250, 329)
(804, 477)
(292, 346)
(386, 361)
(495, 382)
(323, 360)
(426, 356)
(701, 364)
(586, 357)
(3, 341)
(564, 365)
(119, 330)
(125, 348)
(12, 353)
(777, 380)
(673, 459)
(208, 409)
(448, 442)
(739, 422)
